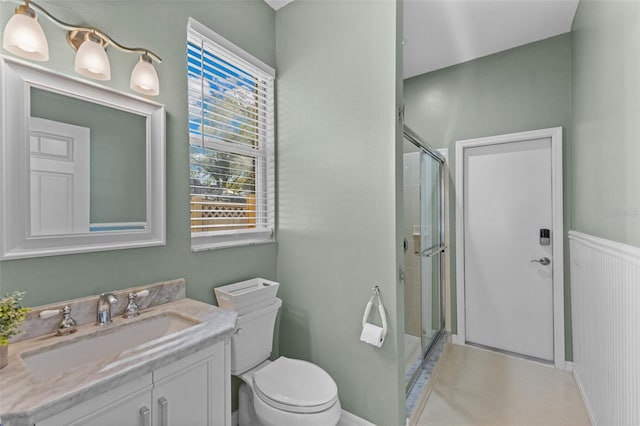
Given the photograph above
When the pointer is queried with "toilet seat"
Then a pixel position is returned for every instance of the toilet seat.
(295, 386)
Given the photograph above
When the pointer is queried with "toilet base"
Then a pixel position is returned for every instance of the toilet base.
(246, 413)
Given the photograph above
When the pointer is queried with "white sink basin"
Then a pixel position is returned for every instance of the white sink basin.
(106, 342)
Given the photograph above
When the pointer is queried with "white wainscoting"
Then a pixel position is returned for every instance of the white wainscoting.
(605, 305)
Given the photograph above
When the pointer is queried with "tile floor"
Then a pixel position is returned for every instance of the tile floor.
(479, 387)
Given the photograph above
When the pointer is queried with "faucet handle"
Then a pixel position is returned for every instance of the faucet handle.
(132, 310)
(67, 325)
(50, 313)
(142, 293)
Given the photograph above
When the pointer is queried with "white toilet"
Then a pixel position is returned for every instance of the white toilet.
(284, 392)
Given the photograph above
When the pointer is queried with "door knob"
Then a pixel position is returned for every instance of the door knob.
(543, 261)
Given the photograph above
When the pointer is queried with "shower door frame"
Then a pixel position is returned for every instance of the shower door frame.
(439, 248)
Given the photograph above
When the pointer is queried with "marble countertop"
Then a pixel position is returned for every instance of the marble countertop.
(25, 399)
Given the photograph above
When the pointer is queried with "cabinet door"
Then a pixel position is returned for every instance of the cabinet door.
(127, 405)
(193, 391)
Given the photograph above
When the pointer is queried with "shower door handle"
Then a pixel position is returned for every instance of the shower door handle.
(543, 261)
(433, 250)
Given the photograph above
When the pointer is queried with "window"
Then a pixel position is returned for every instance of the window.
(231, 143)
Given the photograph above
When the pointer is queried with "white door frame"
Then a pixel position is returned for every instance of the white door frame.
(557, 236)
(447, 257)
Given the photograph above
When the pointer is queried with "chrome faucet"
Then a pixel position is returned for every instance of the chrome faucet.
(106, 301)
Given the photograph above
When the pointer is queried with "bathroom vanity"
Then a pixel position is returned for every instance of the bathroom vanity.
(188, 391)
(169, 365)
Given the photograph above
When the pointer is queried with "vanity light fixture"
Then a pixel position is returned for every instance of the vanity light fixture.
(91, 58)
(144, 78)
(23, 36)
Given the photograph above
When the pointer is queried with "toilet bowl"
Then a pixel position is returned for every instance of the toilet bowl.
(288, 392)
(283, 392)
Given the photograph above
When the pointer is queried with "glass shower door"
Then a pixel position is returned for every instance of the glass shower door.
(431, 242)
(424, 243)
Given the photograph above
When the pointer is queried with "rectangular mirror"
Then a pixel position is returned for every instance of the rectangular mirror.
(83, 168)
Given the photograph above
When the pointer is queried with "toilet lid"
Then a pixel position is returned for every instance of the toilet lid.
(296, 386)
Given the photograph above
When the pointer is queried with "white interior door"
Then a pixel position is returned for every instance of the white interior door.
(507, 200)
(60, 165)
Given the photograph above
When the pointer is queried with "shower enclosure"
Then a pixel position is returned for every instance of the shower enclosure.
(424, 247)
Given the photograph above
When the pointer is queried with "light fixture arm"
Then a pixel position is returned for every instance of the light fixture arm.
(108, 40)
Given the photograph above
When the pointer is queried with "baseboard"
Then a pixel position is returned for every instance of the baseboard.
(456, 339)
(584, 398)
(564, 366)
(346, 419)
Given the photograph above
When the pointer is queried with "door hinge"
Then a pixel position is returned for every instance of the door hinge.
(401, 114)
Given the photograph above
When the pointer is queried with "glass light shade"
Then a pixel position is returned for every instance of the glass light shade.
(92, 61)
(144, 78)
(23, 36)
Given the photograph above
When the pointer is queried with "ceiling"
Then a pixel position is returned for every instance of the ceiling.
(441, 33)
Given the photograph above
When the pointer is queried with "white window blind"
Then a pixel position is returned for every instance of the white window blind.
(231, 142)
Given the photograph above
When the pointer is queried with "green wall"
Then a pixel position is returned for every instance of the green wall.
(339, 148)
(606, 120)
(160, 26)
(525, 88)
(117, 150)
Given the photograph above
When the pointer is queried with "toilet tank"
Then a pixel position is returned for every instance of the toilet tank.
(253, 339)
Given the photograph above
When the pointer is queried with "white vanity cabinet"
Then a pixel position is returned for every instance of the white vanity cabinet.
(192, 391)
(124, 405)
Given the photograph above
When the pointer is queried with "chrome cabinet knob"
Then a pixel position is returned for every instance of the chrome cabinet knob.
(543, 261)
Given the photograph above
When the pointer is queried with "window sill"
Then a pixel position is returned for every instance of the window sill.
(198, 246)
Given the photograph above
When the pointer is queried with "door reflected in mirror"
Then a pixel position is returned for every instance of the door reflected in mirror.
(87, 165)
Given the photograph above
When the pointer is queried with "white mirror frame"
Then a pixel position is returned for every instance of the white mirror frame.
(16, 240)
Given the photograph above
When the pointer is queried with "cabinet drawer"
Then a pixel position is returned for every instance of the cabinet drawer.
(120, 406)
